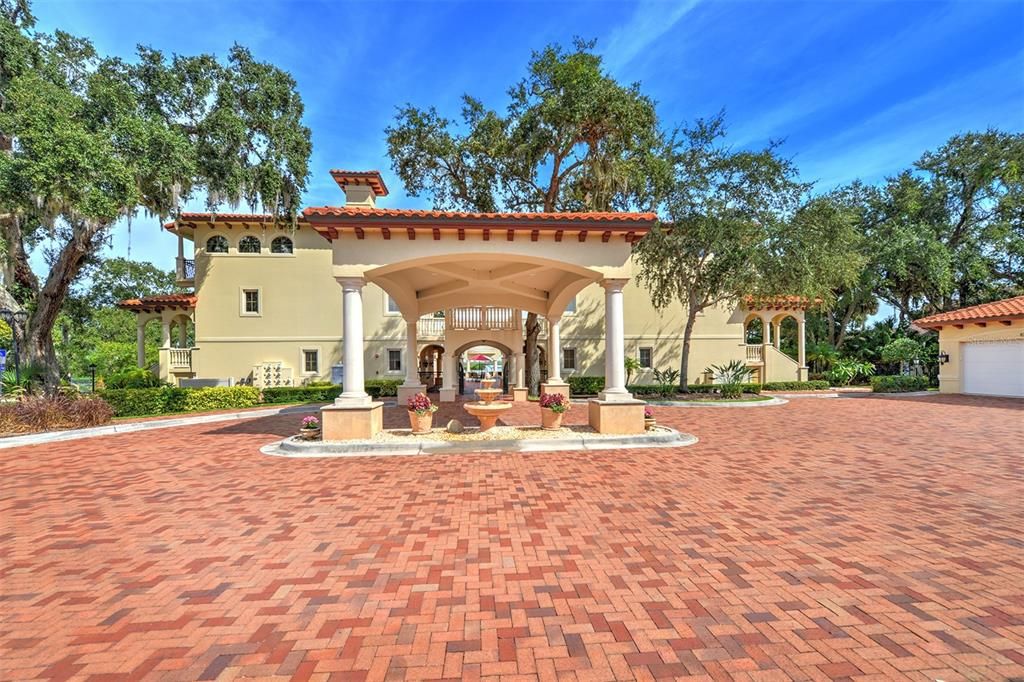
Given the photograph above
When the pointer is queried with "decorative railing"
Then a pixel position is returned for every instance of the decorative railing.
(430, 327)
(186, 269)
(755, 353)
(483, 317)
(180, 358)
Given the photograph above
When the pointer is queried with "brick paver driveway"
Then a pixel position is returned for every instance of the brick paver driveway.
(863, 538)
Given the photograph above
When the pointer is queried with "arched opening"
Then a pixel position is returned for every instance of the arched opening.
(281, 245)
(753, 330)
(787, 335)
(430, 366)
(249, 244)
(218, 243)
(481, 359)
(182, 332)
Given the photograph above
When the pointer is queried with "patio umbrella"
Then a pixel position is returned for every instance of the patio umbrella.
(480, 357)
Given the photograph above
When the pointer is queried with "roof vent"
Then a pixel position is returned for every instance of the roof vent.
(361, 187)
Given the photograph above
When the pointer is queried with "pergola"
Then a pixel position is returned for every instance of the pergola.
(434, 260)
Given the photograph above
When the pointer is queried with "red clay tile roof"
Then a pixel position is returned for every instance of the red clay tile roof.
(780, 302)
(391, 214)
(224, 218)
(371, 178)
(1008, 308)
(157, 303)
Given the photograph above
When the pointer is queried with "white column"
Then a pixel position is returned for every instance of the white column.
(521, 370)
(165, 333)
(615, 342)
(801, 347)
(182, 332)
(777, 335)
(412, 375)
(766, 331)
(140, 343)
(448, 371)
(554, 350)
(352, 341)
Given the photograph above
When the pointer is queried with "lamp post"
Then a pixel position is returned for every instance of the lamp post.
(14, 318)
(92, 373)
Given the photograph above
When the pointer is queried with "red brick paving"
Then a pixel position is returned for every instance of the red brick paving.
(843, 539)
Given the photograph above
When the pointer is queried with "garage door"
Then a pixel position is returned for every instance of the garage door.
(994, 368)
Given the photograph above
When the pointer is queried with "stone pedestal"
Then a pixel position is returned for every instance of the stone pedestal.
(555, 387)
(406, 392)
(519, 395)
(347, 422)
(620, 416)
(447, 395)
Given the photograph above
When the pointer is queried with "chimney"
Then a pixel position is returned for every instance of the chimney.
(361, 187)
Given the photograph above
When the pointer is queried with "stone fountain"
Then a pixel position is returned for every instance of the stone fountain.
(487, 410)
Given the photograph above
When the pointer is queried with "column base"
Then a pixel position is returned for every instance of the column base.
(520, 395)
(802, 373)
(349, 422)
(555, 387)
(615, 396)
(406, 392)
(447, 395)
(618, 416)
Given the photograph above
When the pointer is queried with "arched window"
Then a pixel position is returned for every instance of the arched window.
(281, 245)
(217, 244)
(249, 244)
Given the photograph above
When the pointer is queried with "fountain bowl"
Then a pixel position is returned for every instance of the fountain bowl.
(487, 413)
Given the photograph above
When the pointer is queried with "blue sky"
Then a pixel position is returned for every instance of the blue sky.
(857, 89)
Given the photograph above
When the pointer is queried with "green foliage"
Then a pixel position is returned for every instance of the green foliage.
(220, 398)
(899, 383)
(30, 375)
(583, 385)
(659, 391)
(301, 394)
(134, 378)
(903, 350)
(816, 385)
(667, 380)
(135, 402)
(730, 377)
(382, 388)
(631, 365)
(845, 370)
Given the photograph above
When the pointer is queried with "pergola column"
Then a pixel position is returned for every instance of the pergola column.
(801, 348)
(554, 350)
(182, 332)
(777, 334)
(140, 342)
(449, 380)
(615, 342)
(165, 333)
(412, 384)
(520, 370)
(352, 341)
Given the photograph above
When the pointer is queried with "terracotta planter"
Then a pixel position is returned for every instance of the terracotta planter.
(421, 423)
(309, 434)
(550, 420)
(649, 423)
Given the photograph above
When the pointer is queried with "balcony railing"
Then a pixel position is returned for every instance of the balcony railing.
(185, 270)
(430, 327)
(180, 358)
(755, 353)
(482, 317)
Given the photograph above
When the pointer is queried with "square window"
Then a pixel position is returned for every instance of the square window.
(311, 361)
(568, 358)
(393, 306)
(394, 360)
(251, 301)
(646, 357)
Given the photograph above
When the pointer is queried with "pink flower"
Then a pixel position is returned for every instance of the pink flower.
(420, 404)
(310, 423)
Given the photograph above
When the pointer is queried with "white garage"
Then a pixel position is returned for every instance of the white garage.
(994, 368)
(981, 348)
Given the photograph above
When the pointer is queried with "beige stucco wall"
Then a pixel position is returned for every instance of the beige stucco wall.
(951, 341)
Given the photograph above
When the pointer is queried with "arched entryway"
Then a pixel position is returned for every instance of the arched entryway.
(484, 358)
(430, 363)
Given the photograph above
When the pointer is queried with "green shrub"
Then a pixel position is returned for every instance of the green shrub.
(135, 402)
(221, 398)
(898, 383)
(581, 385)
(319, 393)
(814, 385)
(382, 388)
(655, 390)
(134, 378)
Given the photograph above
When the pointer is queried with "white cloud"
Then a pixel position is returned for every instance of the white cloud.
(651, 20)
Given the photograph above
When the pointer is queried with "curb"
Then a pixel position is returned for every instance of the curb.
(294, 448)
(908, 394)
(132, 427)
(694, 403)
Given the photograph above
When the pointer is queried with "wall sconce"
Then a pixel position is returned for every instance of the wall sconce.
(943, 357)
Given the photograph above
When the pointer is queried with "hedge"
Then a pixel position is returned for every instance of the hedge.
(580, 385)
(898, 383)
(382, 388)
(301, 394)
(656, 389)
(137, 402)
(815, 385)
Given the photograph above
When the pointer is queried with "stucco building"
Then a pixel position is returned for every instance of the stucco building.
(269, 300)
